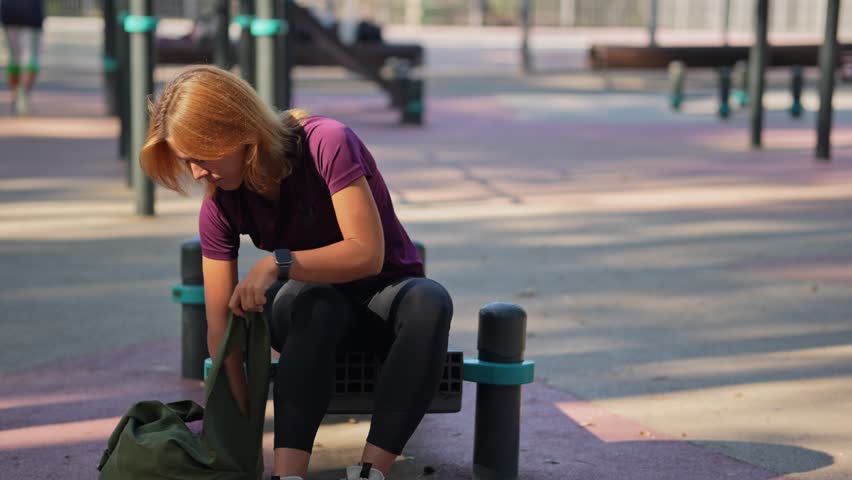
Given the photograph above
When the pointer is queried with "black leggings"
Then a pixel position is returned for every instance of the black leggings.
(406, 322)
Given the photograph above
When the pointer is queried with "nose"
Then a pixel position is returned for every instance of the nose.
(198, 172)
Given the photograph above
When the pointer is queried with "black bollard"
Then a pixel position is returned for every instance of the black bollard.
(677, 78)
(141, 25)
(222, 41)
(247, 51)
(797, 82)
(193, 315)
(724, 92)
(501, 339)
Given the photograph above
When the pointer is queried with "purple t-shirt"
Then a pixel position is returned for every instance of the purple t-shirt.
(335, 158)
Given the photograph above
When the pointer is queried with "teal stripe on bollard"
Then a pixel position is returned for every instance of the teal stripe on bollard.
(479, 371)
(110, 64)
(188, 294)
(268, 27)
(140, 24)
(244, 21)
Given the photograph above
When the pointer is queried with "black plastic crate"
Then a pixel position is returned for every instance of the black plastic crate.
(356, 374)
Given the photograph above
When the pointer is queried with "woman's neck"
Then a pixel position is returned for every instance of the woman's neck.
(272, 195)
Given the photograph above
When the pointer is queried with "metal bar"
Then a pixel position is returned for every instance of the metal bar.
(726, 21)
(827, 64)
(757, 71)
(222, 41)
(110, 63)
(266, 55)
(141, 87)
(652, 22)
(283, 62)
(526, 59)
(248, 54)
(568, 13)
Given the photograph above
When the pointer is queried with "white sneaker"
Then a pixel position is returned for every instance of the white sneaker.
(366, 471)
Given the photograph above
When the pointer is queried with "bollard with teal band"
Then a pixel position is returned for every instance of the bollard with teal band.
(499, 372)
(190, 294)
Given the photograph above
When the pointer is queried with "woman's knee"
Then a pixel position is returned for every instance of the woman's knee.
(300, 308)
(427, 301)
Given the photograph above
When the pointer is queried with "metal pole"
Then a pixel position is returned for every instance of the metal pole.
(526, 59)
(222, 41)
(123, 54)
(726, 21)
(827, 64)
(476, 13)
(568, 13)
(266, 47)
(501, 339)
(652, 22)
(141, 25)
(283, 64)
(248, 60)
(757, 71)
(110, 62)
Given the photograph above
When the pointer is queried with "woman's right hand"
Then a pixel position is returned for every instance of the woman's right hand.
(250, 294)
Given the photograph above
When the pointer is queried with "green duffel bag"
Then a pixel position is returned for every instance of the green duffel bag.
(152, 440)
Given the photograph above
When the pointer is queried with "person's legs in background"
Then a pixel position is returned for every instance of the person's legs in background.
(13, 67)
(31, 46)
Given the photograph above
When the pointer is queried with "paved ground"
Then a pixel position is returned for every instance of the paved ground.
(688, 298)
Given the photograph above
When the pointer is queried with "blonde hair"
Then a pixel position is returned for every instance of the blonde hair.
(206, 113)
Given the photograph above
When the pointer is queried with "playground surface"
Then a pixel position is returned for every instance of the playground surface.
(688, 298)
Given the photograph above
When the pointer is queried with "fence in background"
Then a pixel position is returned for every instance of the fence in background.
(800, 16)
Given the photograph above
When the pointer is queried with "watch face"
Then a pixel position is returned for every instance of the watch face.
(282, 257)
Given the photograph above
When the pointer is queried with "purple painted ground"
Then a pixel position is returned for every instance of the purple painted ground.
(55, 420)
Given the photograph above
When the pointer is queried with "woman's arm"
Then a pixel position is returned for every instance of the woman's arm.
(360, 254)
(220, 277)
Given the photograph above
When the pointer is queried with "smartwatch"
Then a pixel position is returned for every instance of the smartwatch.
(284, 260)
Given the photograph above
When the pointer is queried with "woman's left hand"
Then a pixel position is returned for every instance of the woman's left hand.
(250, 294)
